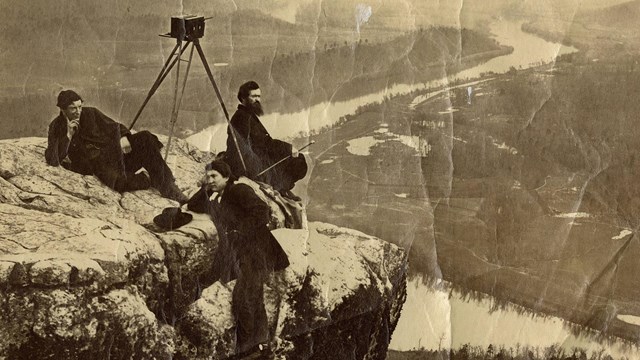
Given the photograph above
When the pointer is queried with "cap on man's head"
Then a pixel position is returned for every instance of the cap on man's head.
(246, 88)
(219, 166)
(66, 97)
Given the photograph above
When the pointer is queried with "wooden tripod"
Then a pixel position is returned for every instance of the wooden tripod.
(172, 60)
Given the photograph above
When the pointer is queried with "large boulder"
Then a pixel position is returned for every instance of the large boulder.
(339, 299)
(85, 273)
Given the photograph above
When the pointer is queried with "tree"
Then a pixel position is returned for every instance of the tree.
(490, 352)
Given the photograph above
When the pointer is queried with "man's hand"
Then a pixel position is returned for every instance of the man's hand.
(72, 127)
(294, 152)
(125, 145)
(202, 181)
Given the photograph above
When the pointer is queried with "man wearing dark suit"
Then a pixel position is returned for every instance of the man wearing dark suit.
(87, 141)
(258, 149)
(247, 250)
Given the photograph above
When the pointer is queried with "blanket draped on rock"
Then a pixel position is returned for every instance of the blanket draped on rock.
(294, 212)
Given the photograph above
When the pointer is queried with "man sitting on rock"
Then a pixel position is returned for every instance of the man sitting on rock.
(247, 251)
(86, 141)
(258, 150)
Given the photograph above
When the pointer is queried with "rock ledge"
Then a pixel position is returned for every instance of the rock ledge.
(86, 274)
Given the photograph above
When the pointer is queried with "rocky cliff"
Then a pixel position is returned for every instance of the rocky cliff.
(85, 274)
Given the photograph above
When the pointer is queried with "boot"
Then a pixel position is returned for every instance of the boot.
(171, 191)
(258, 352)
(290, 195)
(138, 181)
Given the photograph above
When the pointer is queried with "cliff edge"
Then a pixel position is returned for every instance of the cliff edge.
(86, 274)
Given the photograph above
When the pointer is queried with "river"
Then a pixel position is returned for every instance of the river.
(431, 318)
(528, 50)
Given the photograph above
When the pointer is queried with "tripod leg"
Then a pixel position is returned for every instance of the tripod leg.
(174, 112)
(166, 63)
(186, 76)
(163, 74)
(177, 101)
(215, 87)
(210, 75)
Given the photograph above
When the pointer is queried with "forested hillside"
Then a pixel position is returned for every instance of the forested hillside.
(112, 61)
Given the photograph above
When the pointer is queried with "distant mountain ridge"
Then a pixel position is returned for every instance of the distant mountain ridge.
(609, 32)
(42, 8)
(113, 61)
(623, 16)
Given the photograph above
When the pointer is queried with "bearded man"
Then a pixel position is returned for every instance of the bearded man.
(86, 141)
(258, 150)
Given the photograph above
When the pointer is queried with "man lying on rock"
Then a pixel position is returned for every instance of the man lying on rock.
(86, 141)
(247, 251)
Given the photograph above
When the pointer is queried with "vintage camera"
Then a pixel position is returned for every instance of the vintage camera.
(187, 27)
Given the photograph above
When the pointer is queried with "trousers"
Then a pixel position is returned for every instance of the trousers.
(119, 172)
(248, 305)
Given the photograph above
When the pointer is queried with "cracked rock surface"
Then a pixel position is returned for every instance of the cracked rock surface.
(85, 273)
(342, 285)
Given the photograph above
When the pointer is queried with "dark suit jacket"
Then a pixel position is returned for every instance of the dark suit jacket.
(258, 149)
(97, 140)
(241, 218)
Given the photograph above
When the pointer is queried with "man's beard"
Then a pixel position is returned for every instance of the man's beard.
(256, 108)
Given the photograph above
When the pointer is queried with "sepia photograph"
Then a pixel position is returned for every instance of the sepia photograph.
(320, 179)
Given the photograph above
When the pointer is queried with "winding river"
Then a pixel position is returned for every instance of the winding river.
(433, 318)
(528, 50)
